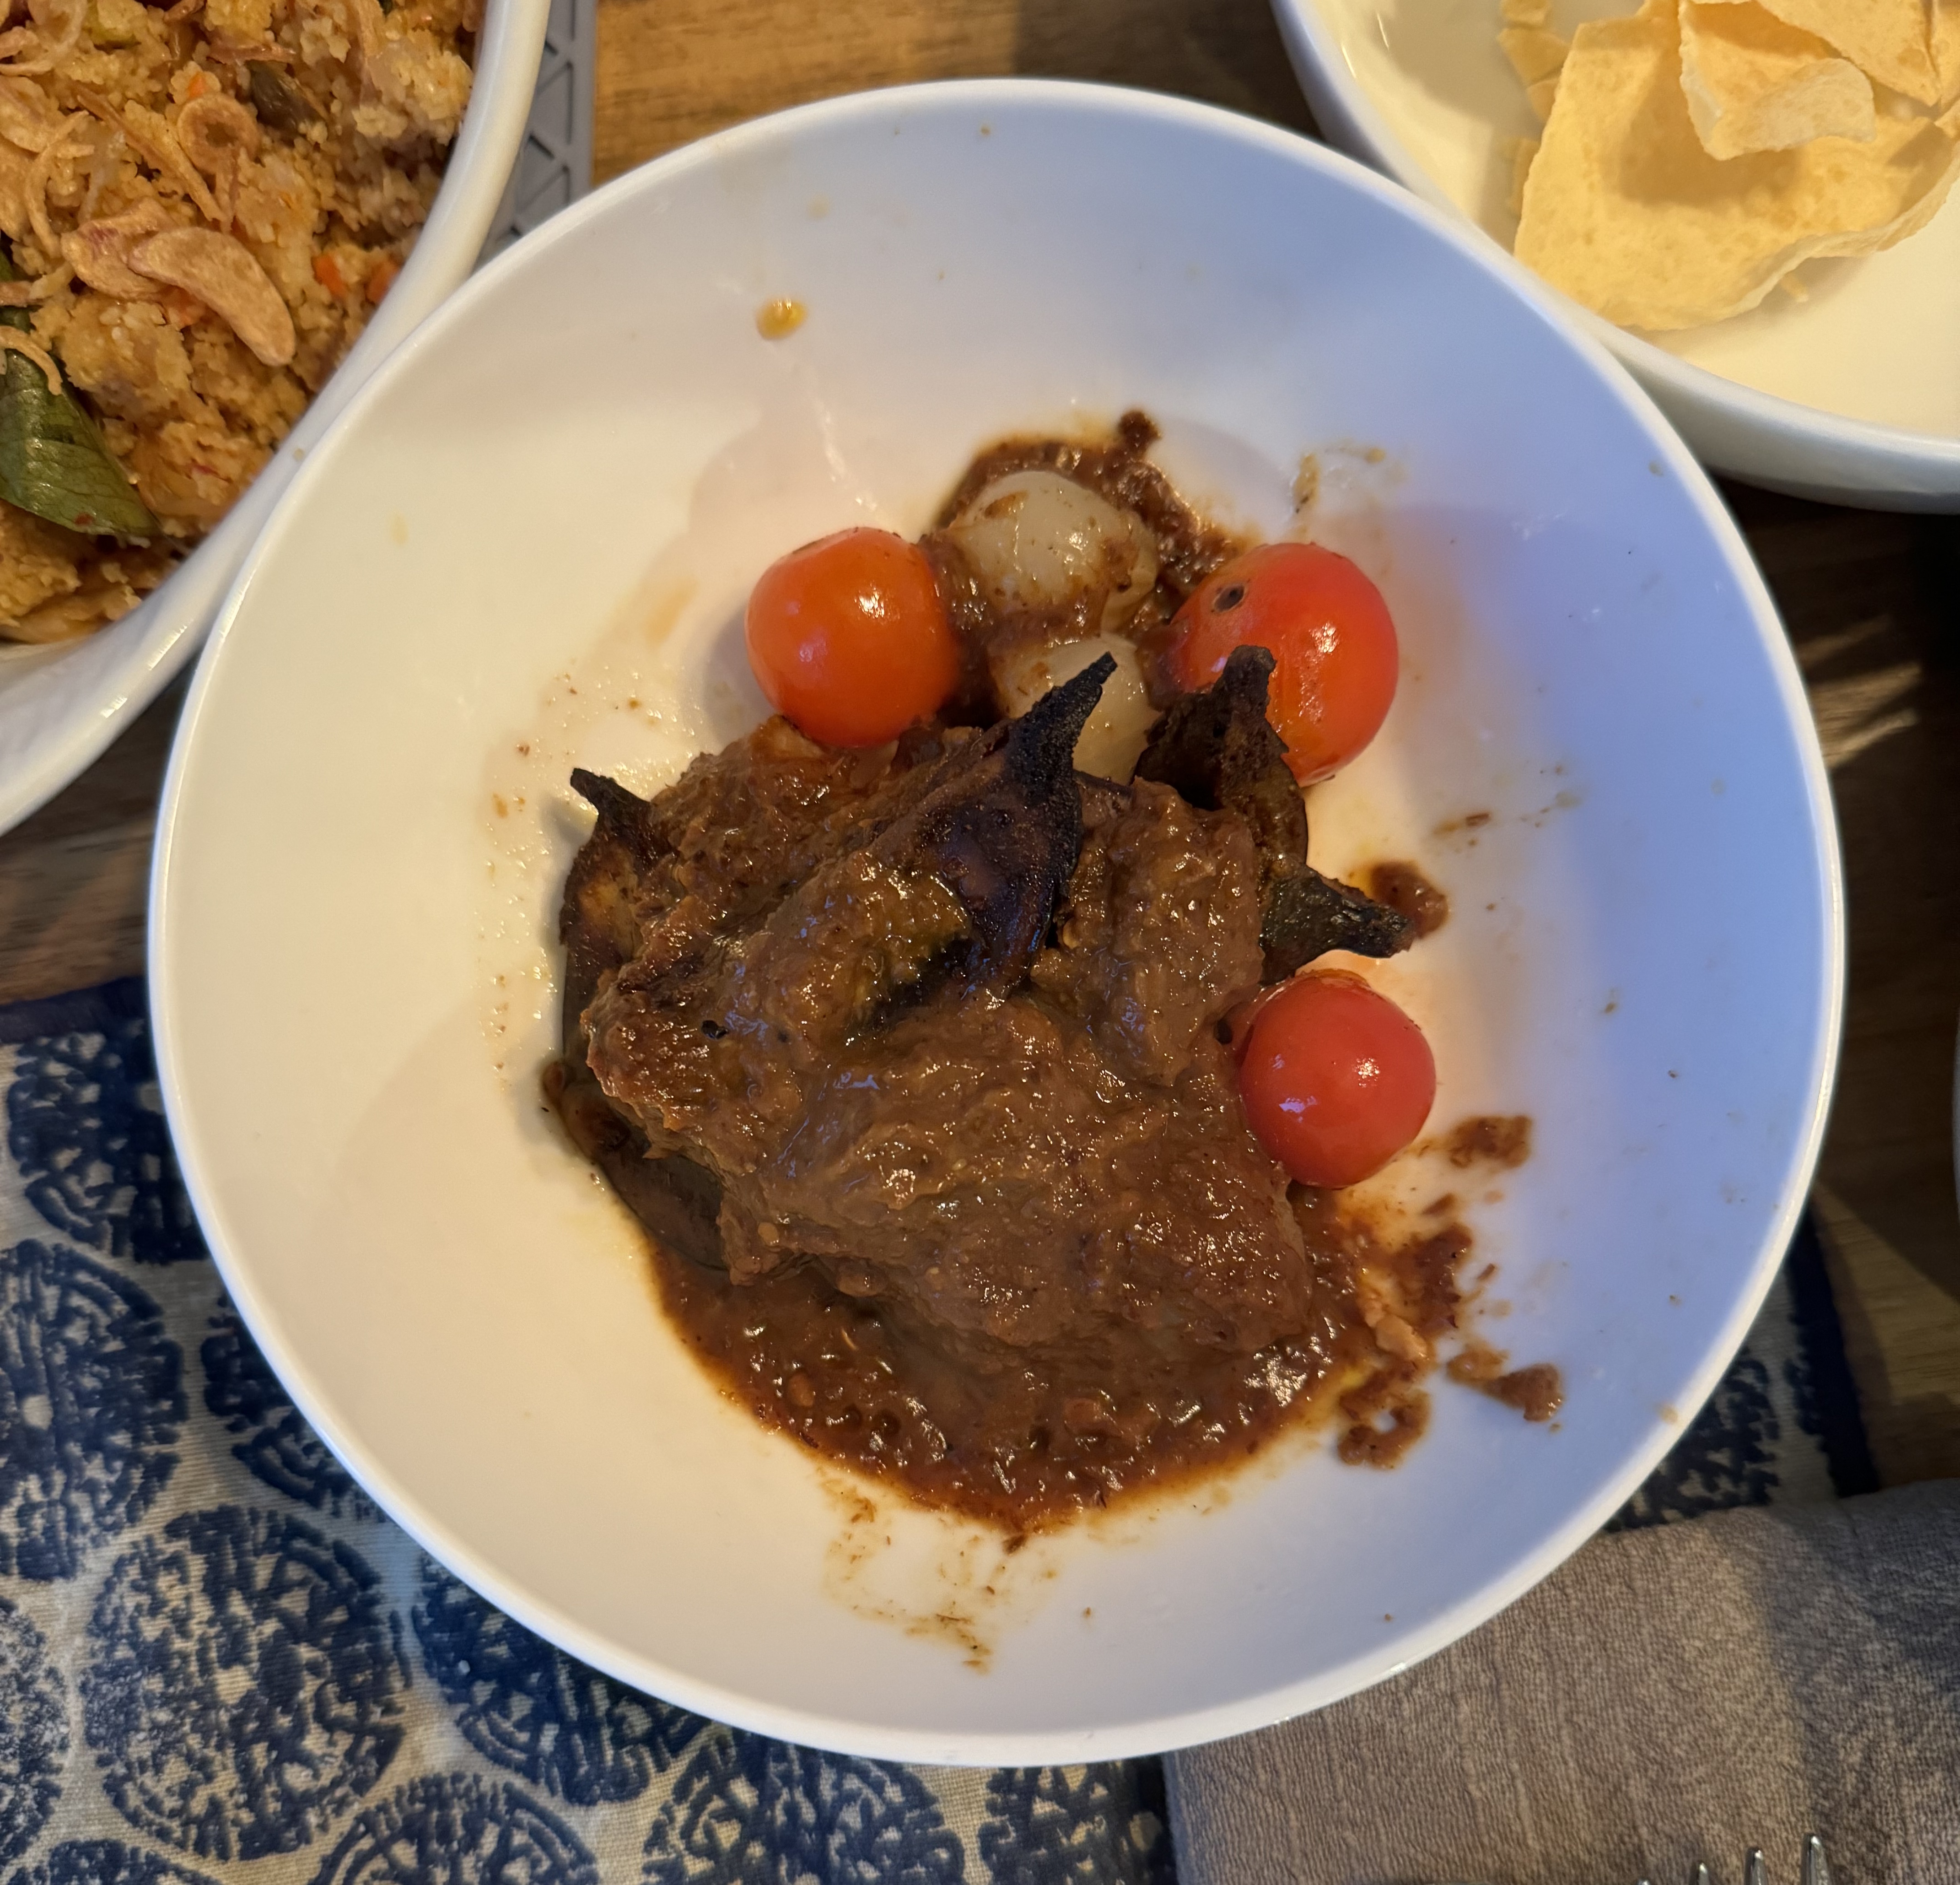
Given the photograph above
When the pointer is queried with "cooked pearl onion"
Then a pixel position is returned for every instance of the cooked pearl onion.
(1039, 540)
(1109, 745)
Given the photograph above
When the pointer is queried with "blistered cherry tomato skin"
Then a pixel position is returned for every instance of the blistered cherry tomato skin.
(1336, 1078)
(848, 638)
(1331, 638)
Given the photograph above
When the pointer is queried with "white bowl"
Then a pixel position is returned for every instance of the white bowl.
(510, 558)
(1852, 396)
(61, 705)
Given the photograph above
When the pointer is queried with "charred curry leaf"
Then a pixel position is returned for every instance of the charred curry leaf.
(53, 463)
(1216, 749)
(1003, 833)
(1306, 915)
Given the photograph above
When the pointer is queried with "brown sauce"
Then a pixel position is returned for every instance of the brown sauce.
(1503, 1140)
(1537, 1392)
(1406, 890)
(1021, 1446)
(1014, 1445)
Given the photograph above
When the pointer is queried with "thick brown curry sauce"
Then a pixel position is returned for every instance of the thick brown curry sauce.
(1018, 1445)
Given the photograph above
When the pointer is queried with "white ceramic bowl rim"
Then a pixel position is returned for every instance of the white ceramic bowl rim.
(314, 1397)
(1767, 410)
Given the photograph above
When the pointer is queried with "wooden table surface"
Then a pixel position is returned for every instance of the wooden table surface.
(1872, 601)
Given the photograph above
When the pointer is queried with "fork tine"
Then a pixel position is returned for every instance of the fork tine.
(1816, 1869)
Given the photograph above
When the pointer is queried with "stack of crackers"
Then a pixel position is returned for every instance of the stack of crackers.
(1696, 152)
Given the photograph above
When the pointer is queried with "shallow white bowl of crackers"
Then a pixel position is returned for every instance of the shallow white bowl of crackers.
(1599, 749)
(1788, 345)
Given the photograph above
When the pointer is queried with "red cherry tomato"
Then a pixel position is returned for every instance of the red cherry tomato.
(1336, 1079)
(848, 638)
(1329, 631)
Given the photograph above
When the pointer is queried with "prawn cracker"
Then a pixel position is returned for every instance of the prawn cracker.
(1536, 55)
(1520, 152)
(1533, 52)
(1946, 48)
(1754, 84)
(1627, 212)
(1888, 40)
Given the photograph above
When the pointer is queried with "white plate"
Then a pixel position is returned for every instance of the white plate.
(61, 705)
(526, 546)
(1852, 395)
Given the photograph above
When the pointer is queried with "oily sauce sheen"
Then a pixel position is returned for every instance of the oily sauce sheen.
(1013, 1447)
(1017, 1448)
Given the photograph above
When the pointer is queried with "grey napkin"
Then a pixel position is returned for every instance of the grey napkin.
(1670, 1695)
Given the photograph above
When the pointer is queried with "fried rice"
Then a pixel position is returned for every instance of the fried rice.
(203, 203)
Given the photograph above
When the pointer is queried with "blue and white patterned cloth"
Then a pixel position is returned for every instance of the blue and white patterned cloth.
(218, 1661)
